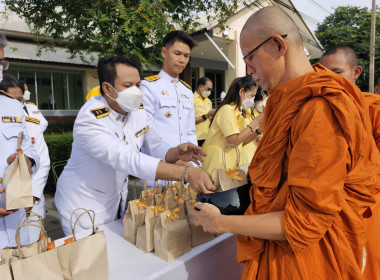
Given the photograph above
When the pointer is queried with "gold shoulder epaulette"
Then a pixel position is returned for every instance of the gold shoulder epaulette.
(141, 106)
(5, 94)
(152, 78)
(185, 84)
(30, 102)
(33, 120)
(100, 112)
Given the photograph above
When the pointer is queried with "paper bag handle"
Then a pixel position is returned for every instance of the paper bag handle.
(224, 155)
(92, 218)
(20, 137)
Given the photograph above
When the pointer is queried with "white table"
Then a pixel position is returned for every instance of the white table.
(213, 260)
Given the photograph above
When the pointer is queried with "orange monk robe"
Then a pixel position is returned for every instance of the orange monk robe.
(372, 267)
(318, 163)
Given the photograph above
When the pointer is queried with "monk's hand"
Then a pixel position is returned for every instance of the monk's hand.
(199, 180)
(190, 152)
(12, 157)
(3, 212)
(208, 217)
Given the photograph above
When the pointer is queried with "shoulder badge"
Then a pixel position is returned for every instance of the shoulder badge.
(28, 102)
(141, 106)
(100, 112)
(152, 78)
(5, 94)
(185, 84)
(33, 120)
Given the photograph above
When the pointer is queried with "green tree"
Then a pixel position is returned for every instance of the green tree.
(127, 27)
(352, 26)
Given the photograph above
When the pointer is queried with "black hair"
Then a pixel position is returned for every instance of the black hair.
(202, 81)
(107, 68)
(175, 36)
(232, 95)
(10, 81)
(260, 94)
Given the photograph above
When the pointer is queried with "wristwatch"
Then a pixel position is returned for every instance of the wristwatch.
(204, 117)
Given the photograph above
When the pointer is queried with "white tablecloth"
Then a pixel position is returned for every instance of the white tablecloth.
(213, 260)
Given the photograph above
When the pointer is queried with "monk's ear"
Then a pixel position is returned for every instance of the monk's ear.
(282, 46)
(357, 71)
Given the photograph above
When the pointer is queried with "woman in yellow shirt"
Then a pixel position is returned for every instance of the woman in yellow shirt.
(228, 125)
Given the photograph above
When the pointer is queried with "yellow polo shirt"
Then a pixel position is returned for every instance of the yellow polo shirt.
(249, 149)
(202, 106)
(225, 124)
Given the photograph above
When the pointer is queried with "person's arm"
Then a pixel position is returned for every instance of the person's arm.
(200, 119)
(148, 100)
(191, 131)
(264, 226)
(248, 134)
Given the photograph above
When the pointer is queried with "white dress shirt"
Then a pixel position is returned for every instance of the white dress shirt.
(12, 123)
(106, 149)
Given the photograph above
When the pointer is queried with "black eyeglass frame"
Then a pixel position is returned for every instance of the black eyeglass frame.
(255, 49)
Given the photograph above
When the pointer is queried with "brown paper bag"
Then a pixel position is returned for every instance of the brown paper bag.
(198, 236)
(135, 214)
(145, 232)
(226, 179)
(31, 249)
(172, 237)
(5, 270)
(18, 182)
(89, 258)
(40, 266)
(85, 258)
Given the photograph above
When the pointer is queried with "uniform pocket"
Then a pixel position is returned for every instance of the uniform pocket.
(168, 103)
(188, 105)
(12, 131)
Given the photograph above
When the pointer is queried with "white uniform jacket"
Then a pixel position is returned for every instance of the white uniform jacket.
(12, 123)
(36, 125)
(169, 103)
(106, 150)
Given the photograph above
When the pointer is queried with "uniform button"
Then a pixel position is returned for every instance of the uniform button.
(181, 133)
(179, 101)
(180, 118)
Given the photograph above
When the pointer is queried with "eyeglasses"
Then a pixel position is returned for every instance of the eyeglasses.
(245, 58)
(4, 63)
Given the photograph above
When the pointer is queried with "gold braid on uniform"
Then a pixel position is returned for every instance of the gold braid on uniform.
(5, 94)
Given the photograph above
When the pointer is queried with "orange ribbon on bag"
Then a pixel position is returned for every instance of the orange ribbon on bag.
(51, 245)
(69, 240)
(233, 173)
(157, 208)
(141, 203)
(149, 192)
(192, 201)
(180, 199)
(188, 190)
(173, 214)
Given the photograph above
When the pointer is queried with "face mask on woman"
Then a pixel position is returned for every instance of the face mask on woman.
(128, 99)
(248, 103)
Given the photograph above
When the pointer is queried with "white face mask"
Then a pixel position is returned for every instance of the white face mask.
(261, 106)
(1, 73)
(27, 95)
(206, 94)
(128, 99)
(248, 103)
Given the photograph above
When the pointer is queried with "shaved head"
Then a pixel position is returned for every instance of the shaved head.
(272, 48)
(272, 20)
(347, 51)
(343, 61)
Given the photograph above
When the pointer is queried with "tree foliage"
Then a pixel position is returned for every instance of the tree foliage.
(133, 28)
(352, 26)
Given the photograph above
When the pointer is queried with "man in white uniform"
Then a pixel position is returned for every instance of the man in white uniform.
(12, 122)
(168, 100)
(108, 133)
(15, 88)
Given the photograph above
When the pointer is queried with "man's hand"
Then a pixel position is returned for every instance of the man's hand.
(199, 180)
(3, 212)
(190, 152)
(12, 157)
(209, 217)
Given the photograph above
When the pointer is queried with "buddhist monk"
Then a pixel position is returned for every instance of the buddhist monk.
(377, 86)
(343, 60)
(313, 171)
